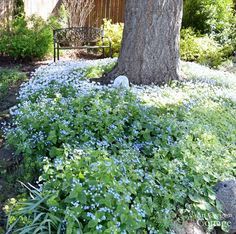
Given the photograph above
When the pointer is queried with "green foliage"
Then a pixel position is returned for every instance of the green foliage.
(27, 39)
(63, 16)
(43, 220)
(115, 33)
(98, 71)
(208, 50)
(114, 162)
(202, 49)
(208, 16)
(9, 78)
(215, 18)
(196, 14)
(18, 8)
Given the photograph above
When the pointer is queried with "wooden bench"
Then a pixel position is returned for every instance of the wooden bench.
(80, 38)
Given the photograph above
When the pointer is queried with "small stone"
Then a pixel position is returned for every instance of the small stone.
(188, 228)
(121, 82)
(226, 194)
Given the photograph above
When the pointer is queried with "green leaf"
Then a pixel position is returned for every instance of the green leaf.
(92, 223)
(203, 205)
(52, 136)
(195, 198)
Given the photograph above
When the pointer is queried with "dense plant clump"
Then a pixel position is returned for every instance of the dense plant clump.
(209, 17)
(215, 19)
(123, 161)
(115, 33)
(18, 8)
(98, 70)
(203, 49)
(27, 38)
(9, 78)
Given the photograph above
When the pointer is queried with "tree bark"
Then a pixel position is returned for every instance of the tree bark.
(150, 46)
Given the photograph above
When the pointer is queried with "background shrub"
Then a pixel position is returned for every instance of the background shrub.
(194, 46)
(214, 18)
(115, 33)
(201, 48)
(18, 8)
(208, 16)
(27, 38)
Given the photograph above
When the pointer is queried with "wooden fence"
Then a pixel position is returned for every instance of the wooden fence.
(110, 9)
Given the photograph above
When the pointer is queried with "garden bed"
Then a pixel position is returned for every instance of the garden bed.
(12, 75)
(149, 149)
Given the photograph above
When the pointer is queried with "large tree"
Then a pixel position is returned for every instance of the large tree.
(150, 45)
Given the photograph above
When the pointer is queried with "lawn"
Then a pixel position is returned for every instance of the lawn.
(124, 161)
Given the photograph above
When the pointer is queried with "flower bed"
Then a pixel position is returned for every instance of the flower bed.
(122, 161)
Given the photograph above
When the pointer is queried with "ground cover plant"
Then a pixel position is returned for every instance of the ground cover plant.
(9, 78)
(121, 161)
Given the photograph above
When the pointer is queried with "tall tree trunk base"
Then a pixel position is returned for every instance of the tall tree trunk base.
(150, 47)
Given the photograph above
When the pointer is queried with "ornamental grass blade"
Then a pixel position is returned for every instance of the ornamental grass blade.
(9, 229)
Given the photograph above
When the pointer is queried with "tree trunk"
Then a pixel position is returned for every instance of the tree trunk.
(150, 46)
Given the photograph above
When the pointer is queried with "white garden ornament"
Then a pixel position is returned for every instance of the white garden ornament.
(121, 82)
